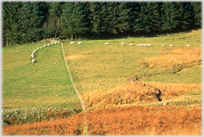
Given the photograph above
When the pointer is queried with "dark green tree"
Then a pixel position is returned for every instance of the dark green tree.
(169, 16)
(197, 13)
(30, 20)
(10, 23)
(55, 10)
(154, 16)
(74, 19)
(123, 17)
(95, 17)
(142, 22)
(185, 14)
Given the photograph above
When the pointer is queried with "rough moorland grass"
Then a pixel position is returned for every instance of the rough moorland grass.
(102, 67)
(44, 84)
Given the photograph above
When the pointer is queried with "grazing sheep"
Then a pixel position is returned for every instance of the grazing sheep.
(51, 43)
(107, 43)
(79, 42)
(71, 42)
(131, 44)
(34, 50)
(55, 42)
(163, 45)
(138, 44)
(37, 48)
(122, 43)
(32, 55)
(33, 60)
(187, 45)
(171, 45)
(44, 45)
(41, 47)
(48, 44)
(148, 44)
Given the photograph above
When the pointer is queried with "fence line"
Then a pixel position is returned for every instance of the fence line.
(82, 103)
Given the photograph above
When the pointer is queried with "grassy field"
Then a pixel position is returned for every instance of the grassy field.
(98, 68)
(115, 81)
(44, 84)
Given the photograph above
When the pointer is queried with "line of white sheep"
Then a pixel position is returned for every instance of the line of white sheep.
(33, 53)
(143, 44)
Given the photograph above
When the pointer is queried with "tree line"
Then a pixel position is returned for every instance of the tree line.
(25, 22)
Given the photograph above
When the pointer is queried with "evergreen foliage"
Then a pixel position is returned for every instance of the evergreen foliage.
(25, 22)
(74, 19)
(29, 21)
(10, 23)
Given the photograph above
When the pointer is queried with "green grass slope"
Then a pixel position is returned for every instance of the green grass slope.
(44, 84)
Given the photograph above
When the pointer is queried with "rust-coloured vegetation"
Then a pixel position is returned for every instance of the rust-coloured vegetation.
(135, 120)
(136, 93)
(68, 126)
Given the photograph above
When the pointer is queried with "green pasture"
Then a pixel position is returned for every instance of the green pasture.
(44, 84)
(94, 67)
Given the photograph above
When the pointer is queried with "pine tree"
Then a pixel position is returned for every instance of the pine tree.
(142, 23)
(94, 17)
(123, 19)
(154, 16)
(169, 17)
(134, 16)
(30, 20)
(197, 13)
(55, 10)
(10, 23)
(74, 19)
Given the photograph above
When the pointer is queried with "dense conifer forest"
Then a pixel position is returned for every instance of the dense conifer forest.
(26, 22)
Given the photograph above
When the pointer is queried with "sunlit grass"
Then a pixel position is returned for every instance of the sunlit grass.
(97, 69)
(45, 83)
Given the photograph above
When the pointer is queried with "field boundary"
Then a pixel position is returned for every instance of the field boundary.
(82, 103)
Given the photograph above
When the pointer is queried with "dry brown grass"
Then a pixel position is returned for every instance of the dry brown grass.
(171, 57)
(138, 120)
(75, 57)
(137, 94)
(134, 120)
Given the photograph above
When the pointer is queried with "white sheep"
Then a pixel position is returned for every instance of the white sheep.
(171, 45)
(148, 44)
(51, 43)
(44, 45)
(32, 55)
(131, 44)
(106, 43)
(162, 45)
(48, 44)
(41, 47)
(55, 42)
(79, 42)
(37, 48)
(71, 42)
(138, 44)
(34, 50)
(122, 43)
(187, 45)
(33, 60)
